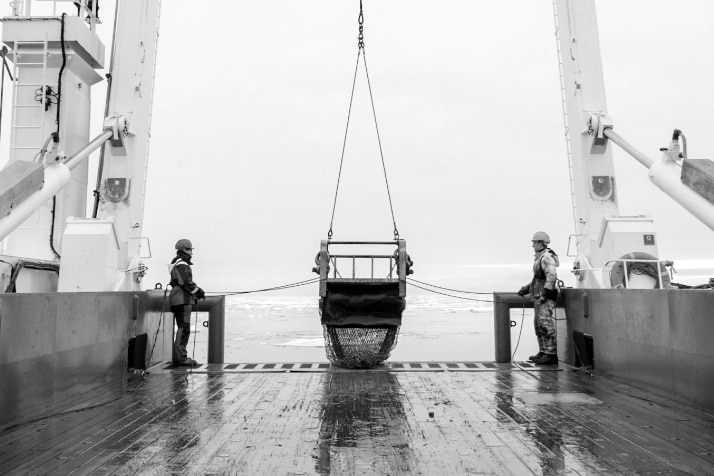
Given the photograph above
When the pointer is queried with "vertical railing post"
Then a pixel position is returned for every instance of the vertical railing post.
(402, 266)
(324, 260)
(502, 328)
(216, 328)
(502, 305)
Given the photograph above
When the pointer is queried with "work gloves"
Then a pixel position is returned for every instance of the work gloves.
(545, 294)
(551, 294)
(200, 294)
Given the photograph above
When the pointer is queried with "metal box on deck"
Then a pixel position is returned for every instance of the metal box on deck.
(90, 250)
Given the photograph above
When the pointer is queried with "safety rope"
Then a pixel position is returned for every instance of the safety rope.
(274, 288)
(316, 280)
(410, 281)
(158, 327)
(426, 287)
(454, 296)
(361, 52)
(520, 331)
(448, 289)
(195, 331)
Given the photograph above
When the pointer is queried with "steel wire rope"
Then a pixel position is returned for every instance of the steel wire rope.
(448, 289)
(344, 144)
(274, 288)
(379, 141)
(361, 51)
(454, 296)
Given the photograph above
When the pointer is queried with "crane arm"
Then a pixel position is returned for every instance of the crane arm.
(55, 177)
(664, 173)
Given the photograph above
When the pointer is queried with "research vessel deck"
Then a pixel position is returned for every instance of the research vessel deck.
(402, 418)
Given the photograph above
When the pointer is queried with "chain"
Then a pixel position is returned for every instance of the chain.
(360, 20)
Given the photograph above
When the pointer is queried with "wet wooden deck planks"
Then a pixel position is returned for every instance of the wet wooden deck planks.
(430, 423)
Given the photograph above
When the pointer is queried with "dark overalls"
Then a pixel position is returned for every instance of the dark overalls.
(182, 299)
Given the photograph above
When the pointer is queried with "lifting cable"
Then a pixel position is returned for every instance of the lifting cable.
(361, 52)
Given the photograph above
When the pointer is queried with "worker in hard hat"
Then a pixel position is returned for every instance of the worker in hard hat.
(184, 294)
(544, 292)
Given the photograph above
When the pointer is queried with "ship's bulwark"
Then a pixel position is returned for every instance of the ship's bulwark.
(498, 420)
(66, 350)
(659, 340)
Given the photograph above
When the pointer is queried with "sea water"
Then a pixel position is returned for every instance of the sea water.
(263, 328)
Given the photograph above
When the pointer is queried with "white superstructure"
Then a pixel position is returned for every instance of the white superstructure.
(602, 235)
(55, 51)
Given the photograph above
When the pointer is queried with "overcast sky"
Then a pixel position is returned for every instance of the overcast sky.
(251, 104)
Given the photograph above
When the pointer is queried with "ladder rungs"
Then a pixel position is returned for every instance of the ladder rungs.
(27, 127)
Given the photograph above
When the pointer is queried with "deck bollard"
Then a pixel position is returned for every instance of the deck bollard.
(502, 305)
(216, 308)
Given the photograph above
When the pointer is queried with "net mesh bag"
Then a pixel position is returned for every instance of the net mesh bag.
(360, 322)
(359, 347)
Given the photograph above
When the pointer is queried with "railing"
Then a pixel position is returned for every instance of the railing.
(346, 266)
(84, 8)
(353, 260)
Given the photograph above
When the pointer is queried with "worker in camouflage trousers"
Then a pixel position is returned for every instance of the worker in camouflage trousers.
(544, 292)
(184, 294)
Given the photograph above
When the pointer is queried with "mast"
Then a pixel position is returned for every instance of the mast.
(113, 237)
(129, 106)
